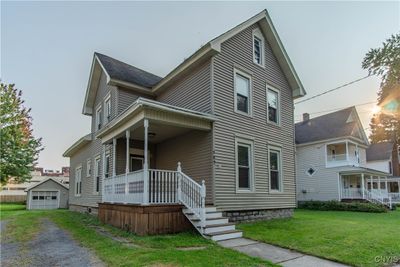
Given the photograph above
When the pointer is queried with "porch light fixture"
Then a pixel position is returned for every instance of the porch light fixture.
(150, 134)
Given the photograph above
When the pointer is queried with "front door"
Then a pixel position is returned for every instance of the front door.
(136, 163)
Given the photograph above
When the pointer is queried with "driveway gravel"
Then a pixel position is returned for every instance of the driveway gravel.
(51, 247)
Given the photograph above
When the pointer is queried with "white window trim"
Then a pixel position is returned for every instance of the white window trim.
(251, 161)
(257, 33)
(88, 167)
(79, 167)
(97, 119)
(248, 76)
(281, 189)
(95, 174)
(105, 119)
(269, 87)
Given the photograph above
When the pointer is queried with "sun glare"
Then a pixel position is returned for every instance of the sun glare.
(376, 109)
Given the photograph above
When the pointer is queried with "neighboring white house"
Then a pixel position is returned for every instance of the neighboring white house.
(331, 161)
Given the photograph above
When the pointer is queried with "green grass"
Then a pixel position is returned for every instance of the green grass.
(150, 251)
(354, 238)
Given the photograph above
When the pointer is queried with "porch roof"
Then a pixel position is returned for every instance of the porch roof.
(155, 111)
(358, 170)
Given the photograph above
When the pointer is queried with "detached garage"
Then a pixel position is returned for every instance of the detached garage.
(48, 194)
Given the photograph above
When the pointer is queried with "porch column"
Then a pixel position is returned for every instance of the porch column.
(103, 174)
(362, 185)
(386, 184)
(379, 183)
(347, 150)
(146, 165)
(398, 186)
(114, 156)
(127, 134)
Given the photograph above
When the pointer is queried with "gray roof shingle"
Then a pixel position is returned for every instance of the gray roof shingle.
(332, 125)
(121, 71)
(380, 151)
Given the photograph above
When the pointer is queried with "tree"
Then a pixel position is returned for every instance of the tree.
(19, 150)
(385, 62)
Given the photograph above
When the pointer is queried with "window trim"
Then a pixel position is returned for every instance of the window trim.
(248, 142)
(281, 189)
(278, 117)
(258, 34)
(98, 120)
(78, 193)
(88, 167)
(248, 76)
(96, 174)
(107, 118)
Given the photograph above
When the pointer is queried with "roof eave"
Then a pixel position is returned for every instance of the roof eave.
(78, 144)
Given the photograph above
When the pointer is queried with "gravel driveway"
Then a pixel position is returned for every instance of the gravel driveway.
(52, 247)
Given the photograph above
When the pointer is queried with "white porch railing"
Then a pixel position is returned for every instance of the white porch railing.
(351, 193)
(376, 196)
(395, 197)
(164, 187)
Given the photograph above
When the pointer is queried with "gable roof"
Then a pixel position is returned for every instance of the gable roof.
(119, 73)
(77, 145)
(342, 123)
(380, 151)
(44, 181)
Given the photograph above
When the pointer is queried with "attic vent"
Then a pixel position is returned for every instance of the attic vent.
(311, 171)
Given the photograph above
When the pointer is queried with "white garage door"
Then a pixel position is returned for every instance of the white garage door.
(44, 200)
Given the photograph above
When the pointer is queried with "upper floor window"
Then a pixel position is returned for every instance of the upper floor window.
(107, 109)
(275, 174)
(258, 47)
(98, 118)
(242, 92)
(273, 105)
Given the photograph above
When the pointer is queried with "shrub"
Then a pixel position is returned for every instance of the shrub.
(342, 206)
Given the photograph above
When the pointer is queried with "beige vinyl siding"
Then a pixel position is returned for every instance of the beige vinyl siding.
(192, 92)
(235, 52)
(193, 150)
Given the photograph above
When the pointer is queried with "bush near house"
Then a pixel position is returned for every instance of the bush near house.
(342, 206)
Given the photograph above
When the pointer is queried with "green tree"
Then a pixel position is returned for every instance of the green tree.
(385, 62)
(19, 150)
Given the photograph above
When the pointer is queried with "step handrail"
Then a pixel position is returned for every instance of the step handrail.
(192, 195)
(372, 196)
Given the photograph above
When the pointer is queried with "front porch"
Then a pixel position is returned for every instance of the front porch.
(369, 186)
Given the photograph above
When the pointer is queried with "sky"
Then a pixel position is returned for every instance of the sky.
(47, 50)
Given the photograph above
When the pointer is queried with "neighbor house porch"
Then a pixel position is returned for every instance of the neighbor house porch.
(367, 185)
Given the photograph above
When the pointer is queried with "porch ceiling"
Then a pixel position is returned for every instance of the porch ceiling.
(165, 121)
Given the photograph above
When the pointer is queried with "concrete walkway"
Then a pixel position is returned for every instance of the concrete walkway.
(277, 255)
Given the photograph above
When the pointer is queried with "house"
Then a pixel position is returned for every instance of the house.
(384, 157)
(47, 194)
(331, 160)
(215, 135)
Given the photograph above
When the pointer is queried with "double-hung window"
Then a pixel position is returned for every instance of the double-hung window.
(258, 47)
(97, 172)
(78, 181)
(107, 167)
(275, 169)
(244, 165)
(242, 93)
(273, 110)
(98, 118)
(107, 109)
(88, 168)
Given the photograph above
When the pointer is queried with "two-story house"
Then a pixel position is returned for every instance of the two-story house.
(331, 160)
(215, 135)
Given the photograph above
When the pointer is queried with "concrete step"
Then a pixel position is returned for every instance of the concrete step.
(219, 228)
(224, 235)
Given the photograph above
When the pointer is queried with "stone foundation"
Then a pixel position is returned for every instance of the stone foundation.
(257, 215)
(84, 209)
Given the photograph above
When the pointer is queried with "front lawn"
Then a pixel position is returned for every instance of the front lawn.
(355, 238)
(165, 250)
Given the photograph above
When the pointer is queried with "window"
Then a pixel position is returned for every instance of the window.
(136, 163)
(390, 167)
(311, 171)
(275, 169)
(88, 168)
(98, 118)
(107, 170)
(35, 197)
(242, 93)
(258, 48)
(273, 105)
(53, 197)
(244, 162)
(97, 172)
(78, 181)
(107, 109)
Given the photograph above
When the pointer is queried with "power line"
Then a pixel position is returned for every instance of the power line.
(334, 89)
